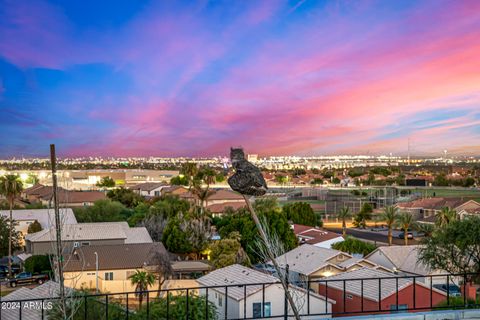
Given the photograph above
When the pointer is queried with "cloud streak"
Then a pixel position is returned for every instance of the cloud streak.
(275, 77)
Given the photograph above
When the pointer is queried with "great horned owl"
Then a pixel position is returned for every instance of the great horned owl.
(248, 179)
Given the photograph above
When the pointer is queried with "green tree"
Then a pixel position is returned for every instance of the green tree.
(106, 182)
(405, 221)
(316, 181)
(242, 222)
(177, 308)
(343, 215)
(445, 216)
(35, 226)
(104, 210)
(300, 213)
(440, 180)
(228, 251)
(175, 238)
(453, 248)
(281, 179)
(127, 197)
(180, 180)
(10, 187)
(390, 217)
(426, 228)
(365, 213)
(220, 177)
(38, 264)
(469, 182)
(353, 245)
(142, 280)
(5, 237)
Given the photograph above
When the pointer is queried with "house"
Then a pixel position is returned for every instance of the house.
(46, 218)
(116, 263)
(309, 262)
(86, 234)
(404, 260)
(149, 189)
(374, 290)
(425, 209)
(218, 209)
(32, 309)
(224, 196)
(316, 236)
(251, 293)
(67, 198)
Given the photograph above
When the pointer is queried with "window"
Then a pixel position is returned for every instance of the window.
(157, 193)
(108, 276)
(220, 300)
(393, 307)
(86, 243)
(257, 309)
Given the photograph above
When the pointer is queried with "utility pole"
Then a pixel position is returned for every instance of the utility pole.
(58, 229)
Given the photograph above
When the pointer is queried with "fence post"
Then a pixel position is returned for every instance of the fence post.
(148, 304)
(285, 315)
(308, 296)
(206, 304)
(168, 303)
(263, 299)
(244, 301)
(127, 307)
(465, 289)
(186, 307)
(85, 307)
(106, 306)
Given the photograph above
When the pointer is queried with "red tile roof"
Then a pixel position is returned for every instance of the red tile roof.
(313, 235)
(221, 207)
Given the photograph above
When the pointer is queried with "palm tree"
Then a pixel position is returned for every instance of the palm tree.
(343, 215)
(390, 216)
(445, 216)
(142, 280)
(426, 228)
(10, 187)
(405, 221)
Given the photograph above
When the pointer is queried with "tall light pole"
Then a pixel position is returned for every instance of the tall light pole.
(96, 272)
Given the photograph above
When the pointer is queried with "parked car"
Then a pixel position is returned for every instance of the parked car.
(401, 235)
(452, 290)
(379, 228)
(4, 271)
(27, 278)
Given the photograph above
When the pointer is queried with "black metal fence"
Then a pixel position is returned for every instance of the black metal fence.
(314, 298)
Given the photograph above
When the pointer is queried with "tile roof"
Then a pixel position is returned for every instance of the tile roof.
(64, 196)
(225, 195)
(190, 265)
(405, 258)
(434, 203)
(94, 231)
(371, 288)
(307, 258)
(112, 257)
(221, 207)
(148, 186)
(314, 235)
(237, 274)
(46, 217)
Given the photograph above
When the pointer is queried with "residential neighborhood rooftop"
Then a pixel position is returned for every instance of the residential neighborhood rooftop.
(124, 256)
(237, 274)
(46, 217)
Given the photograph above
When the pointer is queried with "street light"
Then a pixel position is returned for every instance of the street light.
(96, 272)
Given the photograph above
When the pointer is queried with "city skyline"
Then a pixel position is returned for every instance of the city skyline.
(278, 78)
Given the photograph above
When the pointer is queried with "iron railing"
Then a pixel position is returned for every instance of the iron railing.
(317, 297)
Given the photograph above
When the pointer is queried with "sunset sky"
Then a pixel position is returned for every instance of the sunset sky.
(172, 78)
